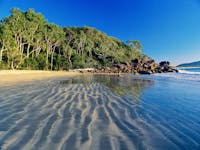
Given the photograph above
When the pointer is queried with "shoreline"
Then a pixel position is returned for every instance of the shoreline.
(21, 76)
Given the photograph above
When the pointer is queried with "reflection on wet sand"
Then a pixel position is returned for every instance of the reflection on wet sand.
(120, 85)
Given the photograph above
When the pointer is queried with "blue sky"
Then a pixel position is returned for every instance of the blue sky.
(167, 29)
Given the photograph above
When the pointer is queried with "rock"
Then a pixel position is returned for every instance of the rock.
(135, 61)
(164, 63)
(144, 66)
(175, 70)
(147, 59)
(144, 72)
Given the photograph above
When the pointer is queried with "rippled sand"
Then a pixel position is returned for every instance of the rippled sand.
(88, 113)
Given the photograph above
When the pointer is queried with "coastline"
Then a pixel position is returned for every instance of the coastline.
(19, 76)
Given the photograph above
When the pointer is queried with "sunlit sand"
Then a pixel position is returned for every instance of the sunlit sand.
(16, 76)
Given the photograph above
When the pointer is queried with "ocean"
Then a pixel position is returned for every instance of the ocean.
(183, 75)
(102, 112)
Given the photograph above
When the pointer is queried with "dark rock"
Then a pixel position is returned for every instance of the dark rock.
(144, 66)
(135, 61)
(144, 72)
(175, 70)
(164, 63)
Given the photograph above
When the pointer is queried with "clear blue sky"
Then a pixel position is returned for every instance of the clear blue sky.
(167, 29)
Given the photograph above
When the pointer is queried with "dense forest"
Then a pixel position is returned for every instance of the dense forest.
(28, 41)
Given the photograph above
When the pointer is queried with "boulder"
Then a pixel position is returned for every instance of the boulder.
(144, 66)
(144, 72)
(164, 63)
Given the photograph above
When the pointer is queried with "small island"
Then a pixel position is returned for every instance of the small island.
(192, 64)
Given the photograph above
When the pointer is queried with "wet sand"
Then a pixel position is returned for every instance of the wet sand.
(97, 113)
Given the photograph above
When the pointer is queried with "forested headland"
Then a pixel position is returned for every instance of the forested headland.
(29, 41)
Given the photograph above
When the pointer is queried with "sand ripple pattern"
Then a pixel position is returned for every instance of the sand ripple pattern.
(86, 116)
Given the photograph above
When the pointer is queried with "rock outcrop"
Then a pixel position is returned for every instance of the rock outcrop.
(145, 66)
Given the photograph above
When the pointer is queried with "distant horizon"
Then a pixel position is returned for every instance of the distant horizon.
(167, 30)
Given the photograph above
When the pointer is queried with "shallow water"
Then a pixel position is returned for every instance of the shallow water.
(101, 113)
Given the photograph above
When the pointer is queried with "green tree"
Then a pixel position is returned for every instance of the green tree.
(54, 37)
(28, 41)
(135, 44)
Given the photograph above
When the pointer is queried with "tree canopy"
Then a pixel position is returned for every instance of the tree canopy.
(28, 41)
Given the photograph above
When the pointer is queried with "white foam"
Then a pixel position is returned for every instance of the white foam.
(177, 76)
(188, 72)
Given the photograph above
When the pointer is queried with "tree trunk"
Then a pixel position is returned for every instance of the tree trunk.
(47, 57)
(59, 56)
(28, 51)
(52, 53)
(12, 65)
(1, 53)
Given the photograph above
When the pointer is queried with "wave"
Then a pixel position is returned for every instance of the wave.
(188, 72)
(182, 76)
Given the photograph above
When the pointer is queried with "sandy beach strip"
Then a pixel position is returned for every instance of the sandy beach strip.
(16, 76)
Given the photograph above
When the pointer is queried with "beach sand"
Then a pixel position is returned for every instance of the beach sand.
(64, 110)
(48, 114)
(19, 76)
